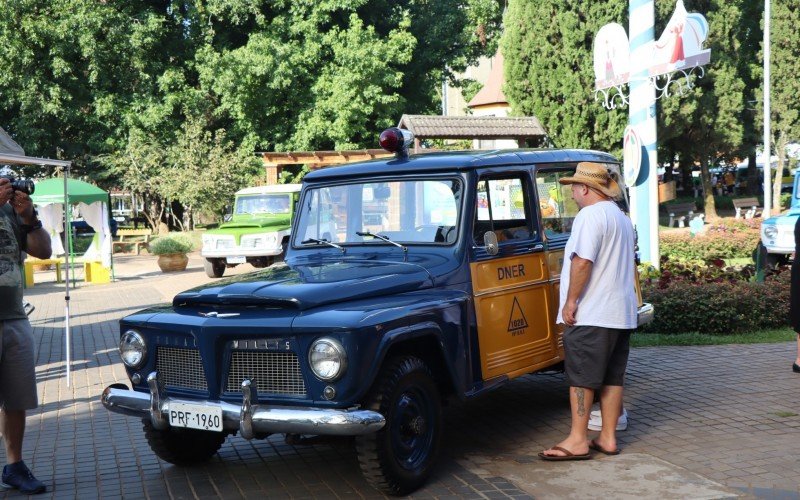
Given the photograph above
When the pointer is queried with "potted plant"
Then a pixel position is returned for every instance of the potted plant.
(171, 251)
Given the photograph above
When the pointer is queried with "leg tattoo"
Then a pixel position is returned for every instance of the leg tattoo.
(579, 394)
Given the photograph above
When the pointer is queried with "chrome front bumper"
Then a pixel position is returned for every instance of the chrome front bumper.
(646, 314)
(250, 418)
(240, 252)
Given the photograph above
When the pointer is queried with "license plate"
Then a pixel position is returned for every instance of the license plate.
(236, 260)
(205, 418)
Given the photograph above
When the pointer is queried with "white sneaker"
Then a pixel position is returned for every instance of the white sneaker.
(596, 421)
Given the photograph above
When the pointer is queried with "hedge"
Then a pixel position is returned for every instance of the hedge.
(718, 307)
(726, 239)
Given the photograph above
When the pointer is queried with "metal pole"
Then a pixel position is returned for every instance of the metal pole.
(642, 116)
(67, 333)
(767, 132)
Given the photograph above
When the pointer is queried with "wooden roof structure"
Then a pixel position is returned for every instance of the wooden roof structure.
(473, 127)
(318, 159)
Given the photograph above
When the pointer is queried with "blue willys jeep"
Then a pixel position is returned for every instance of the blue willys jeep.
(406, 281)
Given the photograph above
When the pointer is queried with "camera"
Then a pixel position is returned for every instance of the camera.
(24, 185)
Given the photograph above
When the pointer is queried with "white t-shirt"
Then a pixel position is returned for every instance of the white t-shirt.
(603, 234)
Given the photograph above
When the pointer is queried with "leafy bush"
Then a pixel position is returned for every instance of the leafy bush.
(719, 307)
(722, 241)
(177, 243)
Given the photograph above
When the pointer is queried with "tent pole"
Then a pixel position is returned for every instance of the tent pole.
(67, 228)
(110, 214)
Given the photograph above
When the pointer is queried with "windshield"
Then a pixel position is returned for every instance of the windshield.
(410, 211)
(263, 204)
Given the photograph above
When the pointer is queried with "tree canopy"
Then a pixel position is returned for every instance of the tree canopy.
(101, 83)
(547, 46)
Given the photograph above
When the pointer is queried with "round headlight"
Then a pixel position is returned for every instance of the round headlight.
(132, 349)
(770, 231)
(327, 359)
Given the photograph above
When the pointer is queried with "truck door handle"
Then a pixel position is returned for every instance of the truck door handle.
(537, 247)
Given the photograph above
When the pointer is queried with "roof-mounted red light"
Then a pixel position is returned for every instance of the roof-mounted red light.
(396, 140)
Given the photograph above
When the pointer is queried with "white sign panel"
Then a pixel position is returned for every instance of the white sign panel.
(681, 43)
(611, 57)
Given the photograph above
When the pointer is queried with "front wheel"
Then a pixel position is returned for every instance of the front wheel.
(214, 268)
(182, 446)
(399, 458)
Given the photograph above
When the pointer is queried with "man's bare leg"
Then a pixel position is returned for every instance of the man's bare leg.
(610, 410)
(580, 402)
(13, 427)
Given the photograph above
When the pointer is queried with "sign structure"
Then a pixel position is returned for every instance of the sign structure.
(631, 155)
(638, 60)
(680, 48)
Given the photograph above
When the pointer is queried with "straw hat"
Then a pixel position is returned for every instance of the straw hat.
(594, 176)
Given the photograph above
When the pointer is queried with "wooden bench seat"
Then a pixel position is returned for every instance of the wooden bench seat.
(32, 261)
(140, 238)
(747, 208)
(680, 212)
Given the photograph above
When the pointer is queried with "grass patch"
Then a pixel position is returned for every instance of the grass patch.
(758, 337)
(785, 414)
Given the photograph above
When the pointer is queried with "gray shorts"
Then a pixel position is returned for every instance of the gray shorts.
(595, 356)
(17, 366)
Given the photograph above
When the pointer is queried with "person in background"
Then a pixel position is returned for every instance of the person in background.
(20, 231)
(598, 305)
(794, 294)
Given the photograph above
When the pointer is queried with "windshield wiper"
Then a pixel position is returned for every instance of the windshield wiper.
(322, 242)
(382, 238)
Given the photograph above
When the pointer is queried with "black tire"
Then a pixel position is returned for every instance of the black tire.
(182, 446)
(214, 268)
(399, 458)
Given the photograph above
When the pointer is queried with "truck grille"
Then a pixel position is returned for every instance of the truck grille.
(273, 372)
(181, 368)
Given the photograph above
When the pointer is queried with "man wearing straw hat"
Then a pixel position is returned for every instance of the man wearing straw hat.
(20, 231)
(598, 306)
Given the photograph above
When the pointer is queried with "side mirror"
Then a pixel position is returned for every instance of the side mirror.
(490, 243)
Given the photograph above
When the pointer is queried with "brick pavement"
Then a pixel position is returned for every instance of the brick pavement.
(711, 417)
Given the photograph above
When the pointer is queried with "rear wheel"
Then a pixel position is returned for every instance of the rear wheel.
(214, 268)
(399, 458)
(182, 446)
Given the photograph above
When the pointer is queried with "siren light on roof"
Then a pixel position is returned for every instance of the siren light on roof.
(396, 140)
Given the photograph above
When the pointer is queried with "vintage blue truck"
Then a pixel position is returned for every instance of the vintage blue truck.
(371, 322)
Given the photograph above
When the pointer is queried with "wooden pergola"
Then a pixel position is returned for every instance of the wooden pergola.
(274, 162)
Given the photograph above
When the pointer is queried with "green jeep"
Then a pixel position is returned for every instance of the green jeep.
(257, 232)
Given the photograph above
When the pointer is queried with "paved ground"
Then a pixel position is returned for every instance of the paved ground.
(706, 422)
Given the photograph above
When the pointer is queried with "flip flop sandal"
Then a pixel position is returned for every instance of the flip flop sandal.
(596, 447)
(567, 455)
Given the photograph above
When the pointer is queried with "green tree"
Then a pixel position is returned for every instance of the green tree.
(785, 86)
(705, 124)
(547, 46)
(105, 83)
(72, 71)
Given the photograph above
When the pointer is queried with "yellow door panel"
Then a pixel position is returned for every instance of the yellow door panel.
(513, 305)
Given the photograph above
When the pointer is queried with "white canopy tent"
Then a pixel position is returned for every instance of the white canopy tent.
(12, 154)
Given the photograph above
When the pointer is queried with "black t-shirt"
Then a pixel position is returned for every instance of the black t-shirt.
(12, 242)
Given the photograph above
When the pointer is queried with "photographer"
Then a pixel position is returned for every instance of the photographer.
(20, 231)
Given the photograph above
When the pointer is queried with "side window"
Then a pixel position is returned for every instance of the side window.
(556, 204)
(502, 206)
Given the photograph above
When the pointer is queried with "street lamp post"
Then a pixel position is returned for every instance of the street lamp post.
(767, 147)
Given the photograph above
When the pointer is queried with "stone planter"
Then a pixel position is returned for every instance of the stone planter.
(171, 262)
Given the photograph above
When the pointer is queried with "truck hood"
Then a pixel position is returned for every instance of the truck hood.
(254, 222)
(306, 286)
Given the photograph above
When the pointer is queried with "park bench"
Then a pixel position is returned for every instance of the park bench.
(140, 238)
(33, 261)
(746, 207)
(680, 212)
